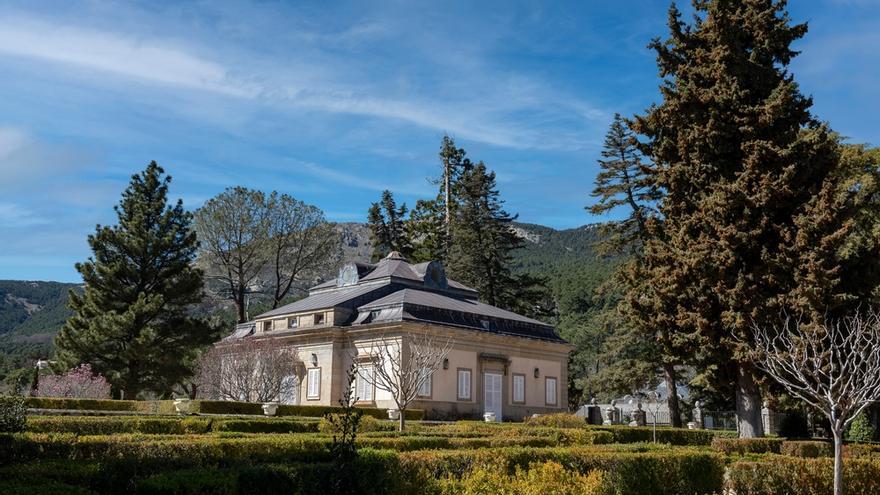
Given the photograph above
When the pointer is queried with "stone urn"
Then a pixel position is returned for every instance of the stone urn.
(489, 417)
(182, 406)
(393, 414)
(270, 408)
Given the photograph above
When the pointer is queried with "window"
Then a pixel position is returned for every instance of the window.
(550, 391)
(425, 387)
(292, 322)
(319, 318)
(519, 388)
(313, 388)
(464, 384)
(267, 326)
(363, 386)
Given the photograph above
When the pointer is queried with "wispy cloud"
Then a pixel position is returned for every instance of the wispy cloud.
(504, 115)
(14, 215)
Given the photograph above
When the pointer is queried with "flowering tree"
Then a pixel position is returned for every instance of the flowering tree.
(834, 367)
(250, 369)
(80, 383)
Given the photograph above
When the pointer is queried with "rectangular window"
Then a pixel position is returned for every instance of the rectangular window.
(464, 384)
(425, 387)
(267, 326)
(292, 322)
(319, 318)
(364, 387)
(550, 391)
(519, 388)
(313, 388)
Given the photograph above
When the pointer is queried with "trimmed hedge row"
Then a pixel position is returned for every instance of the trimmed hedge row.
(742, 446)
(781, 475)
(427, 472)
(107, 425)
(807, 448)
(202, 407)
(667, 472)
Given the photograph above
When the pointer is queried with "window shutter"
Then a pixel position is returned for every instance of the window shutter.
(314, 383)
(519, 388)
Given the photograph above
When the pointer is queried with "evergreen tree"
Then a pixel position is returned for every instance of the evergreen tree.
(483, 239)
(386, 221)
(427, 232)
(131, 322)
(455, 165)
(754, 217)
(624, 182)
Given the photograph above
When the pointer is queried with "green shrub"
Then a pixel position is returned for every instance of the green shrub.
(557, 420)
(366, 424)
(539, 479)
(264, 426)
(663, 472)
(807, 448)
(744, 446)
(860, 430)
(862, 450)
(672, 436)
(780, 475)
(81, 404)
(13, 414)
(107, 425)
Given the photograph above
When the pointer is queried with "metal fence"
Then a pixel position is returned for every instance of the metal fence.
(719, 420)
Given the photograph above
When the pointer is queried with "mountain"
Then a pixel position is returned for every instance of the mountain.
(31, 313)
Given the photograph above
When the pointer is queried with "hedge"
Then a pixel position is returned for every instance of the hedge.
(107, 425)
(672, 436)
(781, 475)
(807, 448)
(744, 446)
(667, 472)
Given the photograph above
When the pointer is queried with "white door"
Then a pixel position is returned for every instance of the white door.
(492, 394)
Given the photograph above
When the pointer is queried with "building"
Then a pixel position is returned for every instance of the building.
(500, 361)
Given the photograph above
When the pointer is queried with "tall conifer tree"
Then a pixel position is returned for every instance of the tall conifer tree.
(387, 224)
(754, 218)
(132, 323)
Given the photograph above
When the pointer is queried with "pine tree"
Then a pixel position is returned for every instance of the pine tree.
(623, 183)
(455, 164)
(386, 221)
(754, 218)
(131, 323)
(482, 239)
(426, 230)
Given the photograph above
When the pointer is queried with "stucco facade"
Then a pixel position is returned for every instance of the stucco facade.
(498, 361)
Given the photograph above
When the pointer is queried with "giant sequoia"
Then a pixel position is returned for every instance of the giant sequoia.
(757, 216)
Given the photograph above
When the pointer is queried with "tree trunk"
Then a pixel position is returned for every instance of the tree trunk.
(401, 420)
(672, 400)
(838, 461)
(748, 403)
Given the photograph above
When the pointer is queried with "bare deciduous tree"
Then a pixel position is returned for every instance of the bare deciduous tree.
(300, 243)
(250, 369)
(403, 364)
(834, 367)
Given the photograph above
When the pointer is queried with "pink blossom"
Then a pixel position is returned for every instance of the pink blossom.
(78, 383)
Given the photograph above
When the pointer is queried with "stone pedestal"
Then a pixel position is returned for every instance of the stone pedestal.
(639, 416)
(610, 415)
(769, 419)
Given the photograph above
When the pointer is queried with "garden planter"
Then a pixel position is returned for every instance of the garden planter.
(182, 406)
(270, 408)
(489, 417)
(393, 414)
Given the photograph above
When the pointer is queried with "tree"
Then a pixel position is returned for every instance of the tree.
(426, 231)
(834, 367)
(455, 163)
(132, 322)
(483, 239)
(403, 364)
(300, 242)
(754, 220)
(624, 181)
(386, 221)
(638, 346)
(249, 369)
(233, 228)
(80, 382)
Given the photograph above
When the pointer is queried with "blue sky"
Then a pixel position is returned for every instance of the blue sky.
(332, 104)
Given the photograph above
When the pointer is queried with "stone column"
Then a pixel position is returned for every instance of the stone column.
(768, 418)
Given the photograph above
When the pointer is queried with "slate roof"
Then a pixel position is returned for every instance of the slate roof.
(394, 290)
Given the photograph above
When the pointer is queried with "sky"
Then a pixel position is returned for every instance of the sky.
(332, 102)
